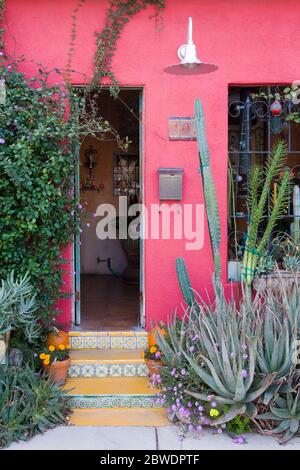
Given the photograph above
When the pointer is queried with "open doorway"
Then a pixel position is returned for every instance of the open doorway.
(110, 269)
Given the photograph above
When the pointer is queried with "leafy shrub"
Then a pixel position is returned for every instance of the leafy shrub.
(29, 404)
(37, 161)
(17, 307)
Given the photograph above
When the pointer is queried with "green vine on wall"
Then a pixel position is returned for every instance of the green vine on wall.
(2, 6)
(117, 16)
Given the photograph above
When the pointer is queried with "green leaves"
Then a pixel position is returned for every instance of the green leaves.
(29, 405)
(38, 214)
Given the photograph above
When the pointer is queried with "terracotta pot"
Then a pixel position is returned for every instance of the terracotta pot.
(56, 338)
(153, 366)
(58, 371)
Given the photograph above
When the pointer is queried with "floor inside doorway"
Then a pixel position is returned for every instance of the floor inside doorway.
(107, 303)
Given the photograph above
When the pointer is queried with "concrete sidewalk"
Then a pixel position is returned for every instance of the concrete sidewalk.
(142, 438)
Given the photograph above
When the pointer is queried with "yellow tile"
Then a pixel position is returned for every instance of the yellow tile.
(120, 417)
(91, 356)
(109, 386)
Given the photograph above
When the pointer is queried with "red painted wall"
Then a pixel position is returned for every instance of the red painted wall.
(252, 41)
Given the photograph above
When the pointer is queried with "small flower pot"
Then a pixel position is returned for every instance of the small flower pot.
(58, 371)
(153, 366)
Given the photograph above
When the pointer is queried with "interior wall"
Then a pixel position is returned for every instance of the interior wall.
(122, 120)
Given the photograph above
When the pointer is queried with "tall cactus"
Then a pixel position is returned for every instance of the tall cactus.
(211, 202)
(184, 282)
(295, 226)
(211, 206)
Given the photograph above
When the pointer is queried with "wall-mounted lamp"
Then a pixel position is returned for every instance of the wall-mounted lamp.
(190, 64)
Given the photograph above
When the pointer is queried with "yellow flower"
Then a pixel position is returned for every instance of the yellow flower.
(68, 346)
(46, 362)
(42, 356)
(61, 347)
(143, 354)
(51, 348)
(47, 356)
(153, 349)
(214, 413)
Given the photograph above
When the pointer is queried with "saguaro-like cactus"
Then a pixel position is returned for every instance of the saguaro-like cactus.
(184, 281)
(211, 202)
(211, 207)
(295, 226)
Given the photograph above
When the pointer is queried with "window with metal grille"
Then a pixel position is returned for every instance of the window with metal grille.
(258, 116)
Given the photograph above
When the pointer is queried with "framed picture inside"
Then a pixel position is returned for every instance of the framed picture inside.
(126, 174)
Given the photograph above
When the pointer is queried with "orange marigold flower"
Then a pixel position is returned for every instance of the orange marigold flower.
(68, 346)
(46, 362)
(42, 356)
(61, 347)
(51, 348)
(153, 349)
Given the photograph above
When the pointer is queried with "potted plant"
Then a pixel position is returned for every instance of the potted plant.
(152, 356)
(17, 307)
(56, 362)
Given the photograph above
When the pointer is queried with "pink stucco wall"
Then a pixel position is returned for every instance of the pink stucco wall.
(252, 41)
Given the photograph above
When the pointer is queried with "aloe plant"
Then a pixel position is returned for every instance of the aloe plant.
(286, 410)
(257, 201)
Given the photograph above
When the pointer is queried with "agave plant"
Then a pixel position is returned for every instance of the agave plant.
(225, 357)
(17, 306)
(275, 331)
(285, 410)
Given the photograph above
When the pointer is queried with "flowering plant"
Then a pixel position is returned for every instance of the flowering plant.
(50, 354)
(153, 353)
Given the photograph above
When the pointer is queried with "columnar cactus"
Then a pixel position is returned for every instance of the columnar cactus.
(295, 226)
(211, 205)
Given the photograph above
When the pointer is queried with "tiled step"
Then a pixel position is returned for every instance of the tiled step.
(116, 340)
(120, 417)
(107, 363)
(110, 392)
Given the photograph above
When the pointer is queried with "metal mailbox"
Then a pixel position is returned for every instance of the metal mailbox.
(170, 183)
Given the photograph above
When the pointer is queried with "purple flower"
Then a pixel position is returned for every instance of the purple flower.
(183, 371)
(2, 141)
(244, 373)
(190, 404)
(213, 404)
(180, 385)
(244, 347)
(192, 349)
(199, 428)
(219, 431)
(209, 397)
(239, 440)
(174, 407)
(245, 356)
(191, 427)
(157, 354)
(200, 408)
(79, 206)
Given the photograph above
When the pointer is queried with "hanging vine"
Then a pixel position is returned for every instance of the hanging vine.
(117, 16)
(2, 6)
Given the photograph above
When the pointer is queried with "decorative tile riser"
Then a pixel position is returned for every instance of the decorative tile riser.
(113, 401)
(108, 342)
(108, 370)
